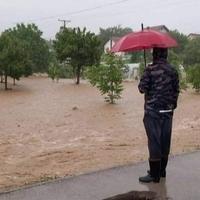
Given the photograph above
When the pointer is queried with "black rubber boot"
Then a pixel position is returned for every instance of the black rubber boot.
(162, 173)
(154, 175)
(164, 162)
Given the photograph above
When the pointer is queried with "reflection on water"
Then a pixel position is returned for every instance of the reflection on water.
(156, 192)
(135, 195)
(160, 189)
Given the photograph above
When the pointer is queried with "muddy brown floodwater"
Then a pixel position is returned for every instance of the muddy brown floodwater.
(50, 130)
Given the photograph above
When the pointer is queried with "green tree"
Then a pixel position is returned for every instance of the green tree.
(192, 63)
(14, 58)
(107, 77)
(192, 52)
(16, 73)
(182, 41)
(1, 73)
(54, 71)
(38, 48)
(193, 76)
(79, 46)
(115, 31)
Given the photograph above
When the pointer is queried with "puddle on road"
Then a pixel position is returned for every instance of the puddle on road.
(135, 195)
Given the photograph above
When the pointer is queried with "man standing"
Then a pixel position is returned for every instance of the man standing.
(160, 85)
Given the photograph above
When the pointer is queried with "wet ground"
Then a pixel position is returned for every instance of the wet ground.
(121, 183)
(135, 195)
(50, 130)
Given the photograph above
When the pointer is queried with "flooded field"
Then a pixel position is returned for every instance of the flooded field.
(50, 130)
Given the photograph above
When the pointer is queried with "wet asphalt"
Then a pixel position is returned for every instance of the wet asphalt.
(182, 183)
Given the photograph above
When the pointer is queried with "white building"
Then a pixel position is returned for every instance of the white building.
(110, 43)
(192, 36)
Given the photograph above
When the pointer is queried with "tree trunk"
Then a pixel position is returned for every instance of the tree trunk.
(74, 72)
(112, 93)
(14, 81)
(6, 84)
(78, 73)
(1, 78)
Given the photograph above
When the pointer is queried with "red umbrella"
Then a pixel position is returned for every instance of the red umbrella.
(145, 39)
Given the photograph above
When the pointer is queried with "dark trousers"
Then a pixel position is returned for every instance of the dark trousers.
(158, 128)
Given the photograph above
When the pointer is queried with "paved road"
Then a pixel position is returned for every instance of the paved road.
(182, 183)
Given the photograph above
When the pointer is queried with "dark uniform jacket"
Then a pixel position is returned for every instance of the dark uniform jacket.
(160, 84)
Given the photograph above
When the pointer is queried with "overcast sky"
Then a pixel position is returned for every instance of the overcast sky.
(183, 15)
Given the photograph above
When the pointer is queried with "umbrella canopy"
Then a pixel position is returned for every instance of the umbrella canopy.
(145, 39)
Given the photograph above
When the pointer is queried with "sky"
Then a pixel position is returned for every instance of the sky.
(183, 15)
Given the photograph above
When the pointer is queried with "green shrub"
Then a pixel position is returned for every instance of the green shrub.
(107, 77)
(193, 76)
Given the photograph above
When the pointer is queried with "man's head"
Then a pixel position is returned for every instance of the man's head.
(160, 53)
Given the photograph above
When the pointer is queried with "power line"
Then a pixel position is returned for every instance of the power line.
(133, 11)
(79, 11)
(167, 3)
(136, 8)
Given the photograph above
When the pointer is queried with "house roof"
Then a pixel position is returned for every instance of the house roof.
(115, 39)
(194, 34)
(158, 28)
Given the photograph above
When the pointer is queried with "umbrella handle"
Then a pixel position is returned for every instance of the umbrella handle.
(145, 61)
(142, 26)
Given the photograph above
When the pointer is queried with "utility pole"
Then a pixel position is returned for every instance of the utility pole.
(64, 22)
(111, 39)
